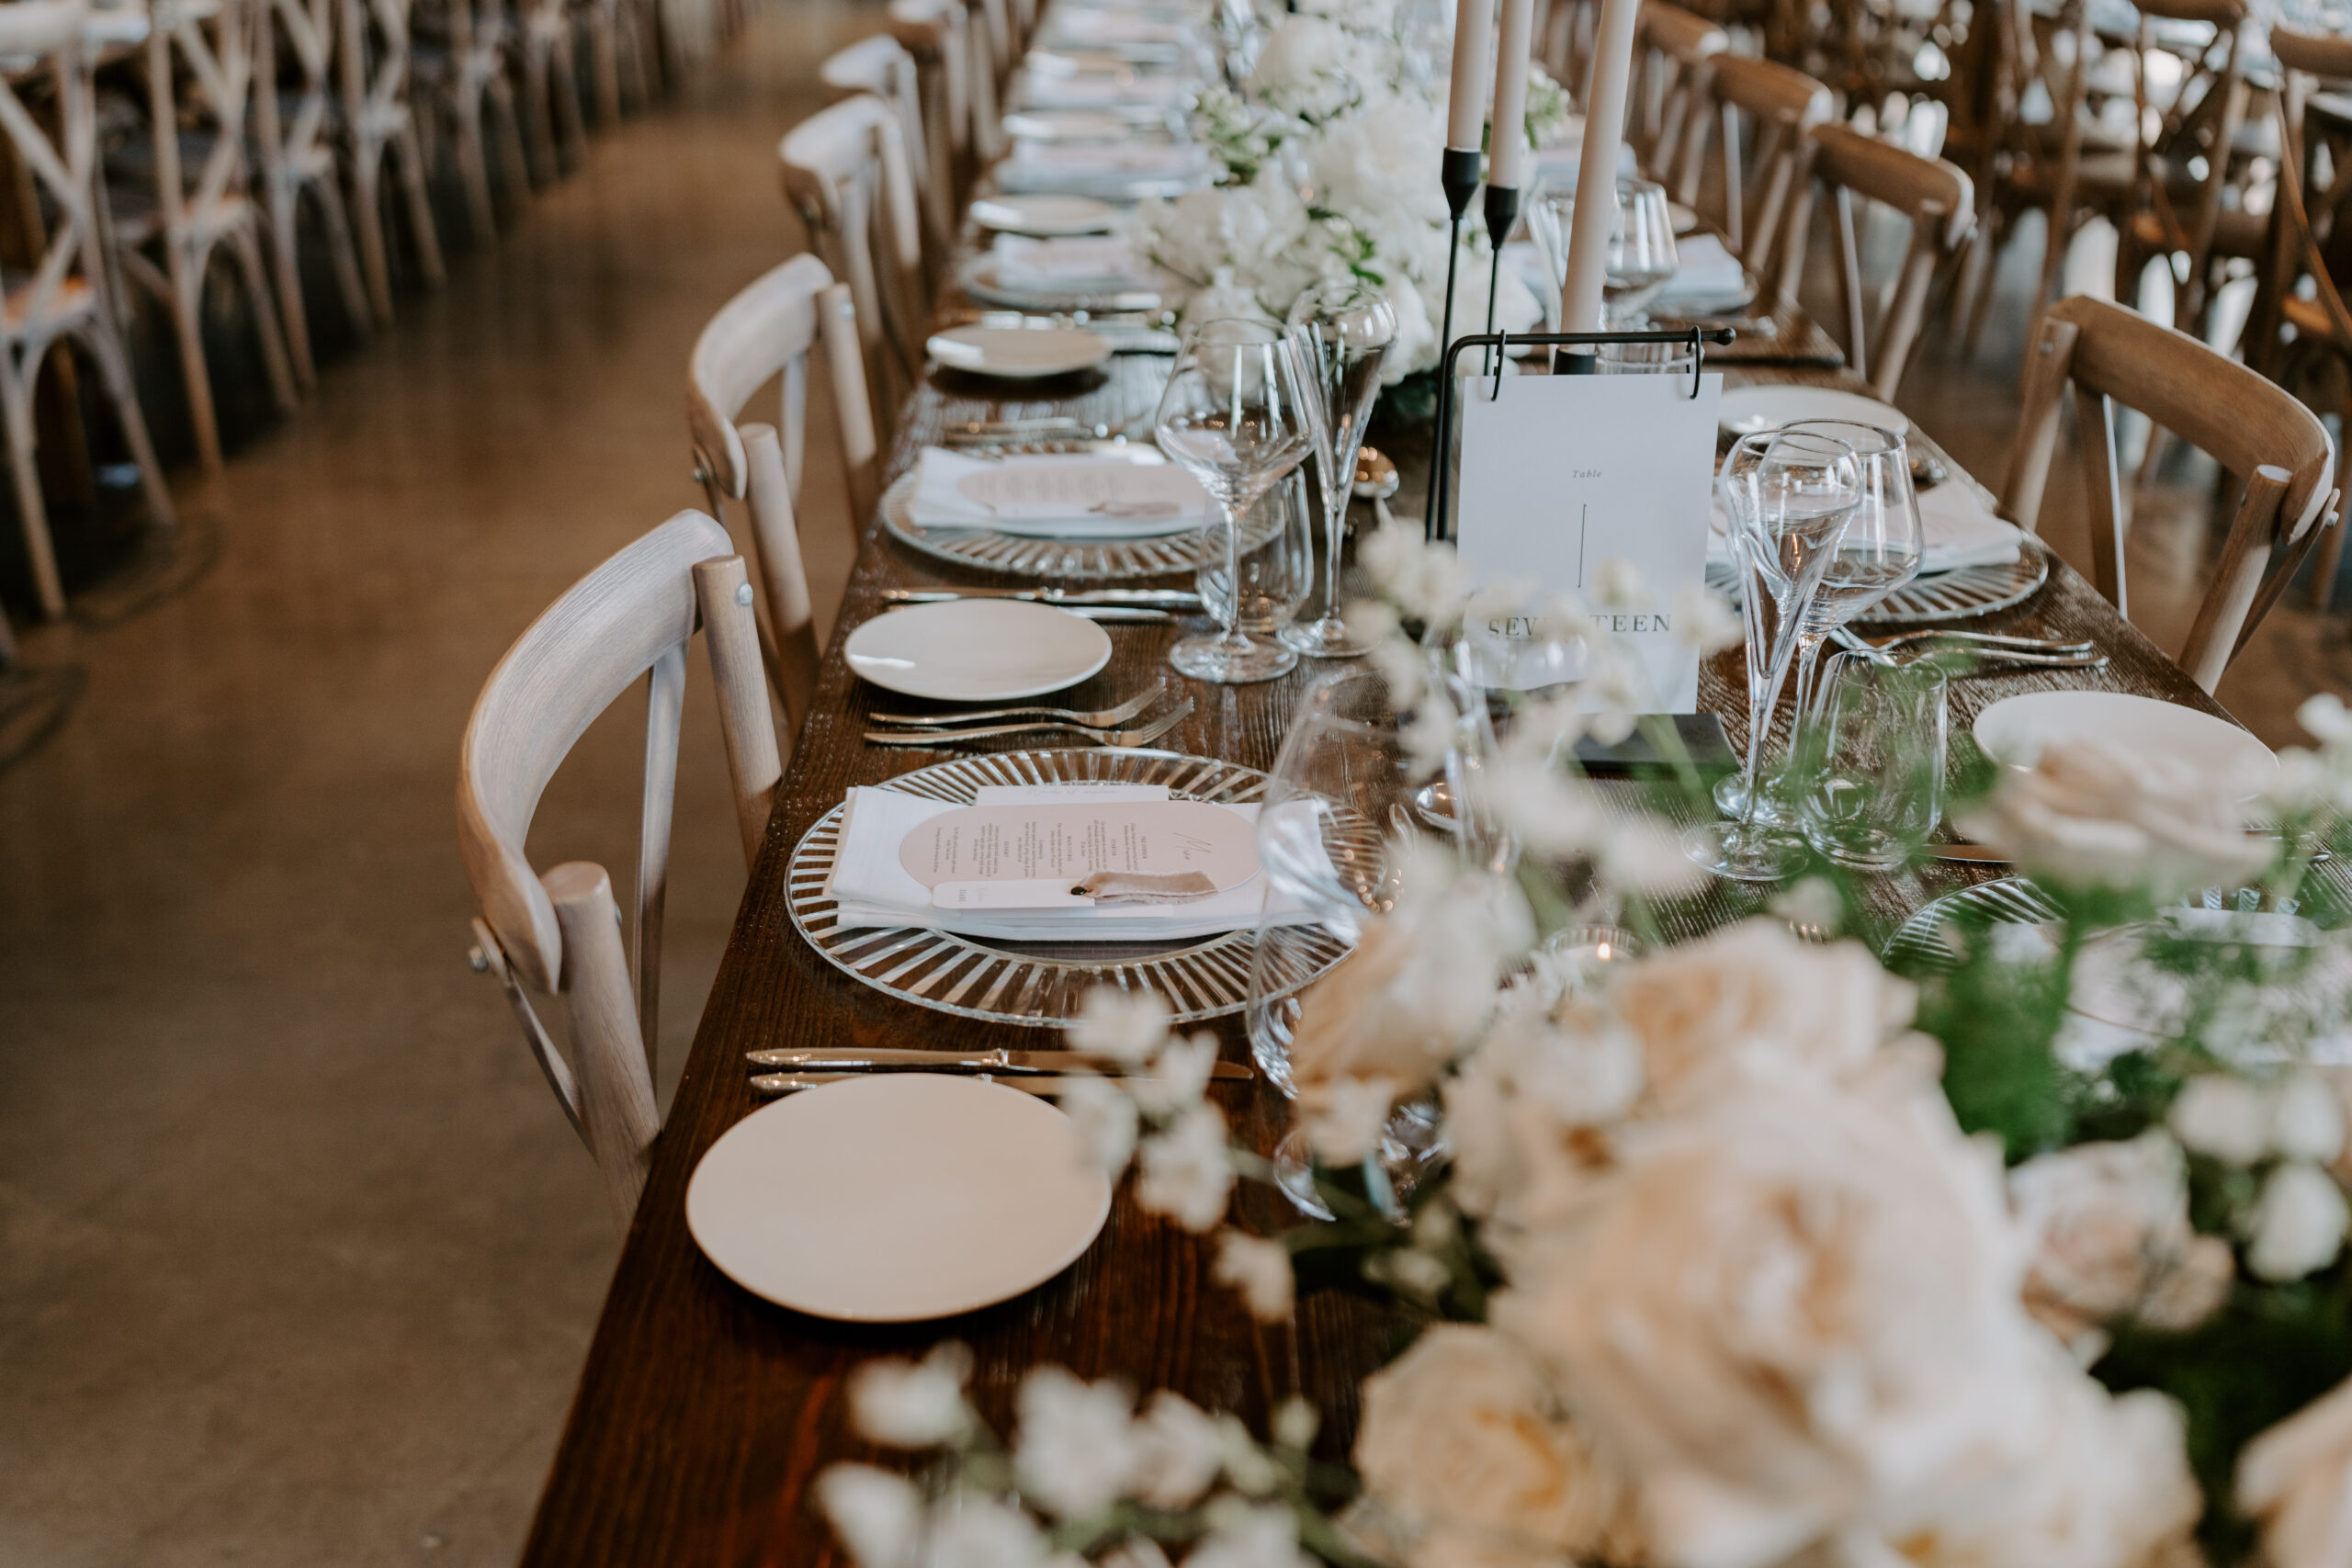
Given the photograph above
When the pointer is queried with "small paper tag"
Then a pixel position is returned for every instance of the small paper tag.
(1005, 856)
(1035, 491)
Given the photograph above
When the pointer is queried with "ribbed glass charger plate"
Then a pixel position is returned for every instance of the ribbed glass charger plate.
(1056, 559)
(1039, 984)
(1947, 596)
(1921, 945)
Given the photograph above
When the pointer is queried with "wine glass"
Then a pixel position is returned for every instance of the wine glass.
(1641, 258)
(1791, 495)
(1341, 331)
(1277, 561)
(1880, 552)
(1237, 414)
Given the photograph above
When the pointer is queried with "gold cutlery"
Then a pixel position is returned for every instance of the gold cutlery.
(849, 1060)
(939, 739)
(1096, 598)
(793, 1083)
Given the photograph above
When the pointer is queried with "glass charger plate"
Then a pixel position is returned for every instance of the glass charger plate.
(1923, 944)
(1093, 559)
(1039, 984)
(1947, 596)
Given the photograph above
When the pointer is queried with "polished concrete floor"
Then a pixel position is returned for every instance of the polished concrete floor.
(297, 1262)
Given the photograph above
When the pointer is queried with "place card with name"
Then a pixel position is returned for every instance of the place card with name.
(1561, 474)
(1048, 856)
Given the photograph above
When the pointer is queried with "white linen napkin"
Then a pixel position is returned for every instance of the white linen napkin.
(1709, 278)
(938, 502)
(1104, 261)
(870, 887)
(1960, 531)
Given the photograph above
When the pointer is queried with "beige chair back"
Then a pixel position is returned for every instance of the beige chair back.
(1784, 104)
(846, 168)
(933, 32)
(882, 66)
(1941, 203)
(2113, 359)
(559, 934)
(1674, 50)
(763, 333)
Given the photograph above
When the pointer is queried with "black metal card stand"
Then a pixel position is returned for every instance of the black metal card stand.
(1434, 520)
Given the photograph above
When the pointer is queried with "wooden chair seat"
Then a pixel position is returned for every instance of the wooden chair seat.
(2236, 232)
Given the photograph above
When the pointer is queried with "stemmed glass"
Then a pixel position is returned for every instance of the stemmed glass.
(1881, 551)
(1641, 259)
(1791, 495)
(1341, 330)
(1236, 414)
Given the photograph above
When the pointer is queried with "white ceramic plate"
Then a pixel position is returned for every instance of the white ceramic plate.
(1019, 354)
(897, 1198)
(977, 650)
(1743, 411)
(2014, 730)
(1050, 216)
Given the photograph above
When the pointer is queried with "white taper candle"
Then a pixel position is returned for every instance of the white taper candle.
(1507, 154)
(1604, 135)
(1466, 114)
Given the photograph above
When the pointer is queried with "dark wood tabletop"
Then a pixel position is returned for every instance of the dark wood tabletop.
(704, 1412)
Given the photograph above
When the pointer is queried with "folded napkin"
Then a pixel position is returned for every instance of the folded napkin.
(1105, 261)
(1710, 278)
(870, 887)
(1057, 496)
(1094, 90)
(1960, 532)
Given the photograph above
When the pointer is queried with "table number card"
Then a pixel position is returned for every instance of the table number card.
(1562, 473)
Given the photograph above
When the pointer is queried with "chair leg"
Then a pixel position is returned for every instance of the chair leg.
(510, 141)
(630, 38)
(422, 233)
(187, 304)
(603, 58)
(284, 196)
(564, 65)
(366, 185)
(545, 168)
(32, 514)
(8, 642)
(359, 299)
(114, 370)
(473, 171)
(242, 245)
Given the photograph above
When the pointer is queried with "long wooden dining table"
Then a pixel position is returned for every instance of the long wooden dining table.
(703, 1413)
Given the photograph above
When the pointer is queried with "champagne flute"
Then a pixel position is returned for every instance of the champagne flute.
(1341, 330)
(1236, 414)
(1791, 495)
(1881, 551)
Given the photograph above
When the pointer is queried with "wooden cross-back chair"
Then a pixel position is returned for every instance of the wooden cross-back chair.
(617, 50)
(2312, 239)
(1784, 104)
(468, 64)
(65, 295)
(2173, 210)
(932, 31)
(1674, 50)
(764, 334)
(845, 170)
(1940, 204)
(205, 46)
(551, 90)
(380, 122)
(290, 126)
(559, 935)
(2114, 357)
(881, 66)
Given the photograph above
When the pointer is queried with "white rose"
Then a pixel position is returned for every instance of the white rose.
(2109, 1224)
(1832, 1332)
(2222, 1116)
(2296, 1477)
(1752, 1000)
(2306, 1121)
(2087, 813)
(2298, 1224)
(1465, 1461)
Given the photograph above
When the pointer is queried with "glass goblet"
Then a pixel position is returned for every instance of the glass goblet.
(1790, 496)
(1343, 329)
(1641, 258)
(1236, 414)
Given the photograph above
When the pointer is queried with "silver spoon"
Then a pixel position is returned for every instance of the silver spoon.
(1376, 480)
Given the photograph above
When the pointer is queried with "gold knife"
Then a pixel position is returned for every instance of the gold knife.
(826, 1059)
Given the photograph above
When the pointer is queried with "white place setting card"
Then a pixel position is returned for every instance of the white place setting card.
(1105, 261)
(1561, 474)
(1055, 862)
(1057, 496)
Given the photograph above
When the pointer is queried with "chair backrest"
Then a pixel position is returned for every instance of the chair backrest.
(1941, 203)
(935, 33)
(560, 934)
(1674, 50)
(2257, 432)
(2185, 122)
(374, 65)
(213, 39)
(1784, 104)
(763, 333)
(2312, 218)
(882, 66)
(846, 169)
(308, 30)
(48, 34)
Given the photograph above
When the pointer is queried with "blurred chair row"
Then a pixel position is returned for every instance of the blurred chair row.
(148, 139)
